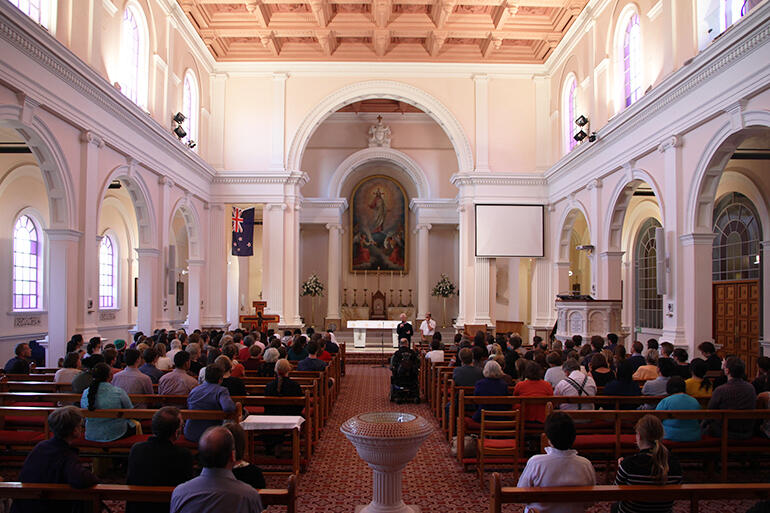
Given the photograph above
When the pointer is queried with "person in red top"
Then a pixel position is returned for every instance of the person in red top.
(533, 385)
(255, 358)
(323, 354)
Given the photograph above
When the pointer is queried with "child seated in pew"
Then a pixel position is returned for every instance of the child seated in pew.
(559, 466)
(651, 465)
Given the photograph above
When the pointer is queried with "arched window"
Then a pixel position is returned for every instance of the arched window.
(27, 265)
(734, 10)
(569, 109)
(632, 65)
(649, 305)
(42, 11)
(737, 231)
(108, 275)
(190, 106)
(134, 55)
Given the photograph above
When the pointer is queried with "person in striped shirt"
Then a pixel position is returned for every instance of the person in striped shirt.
(652, 465)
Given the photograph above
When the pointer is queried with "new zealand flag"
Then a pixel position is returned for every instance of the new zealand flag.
(243, 231)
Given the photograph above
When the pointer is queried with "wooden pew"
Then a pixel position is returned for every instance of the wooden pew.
(499, 495)
(113, 492)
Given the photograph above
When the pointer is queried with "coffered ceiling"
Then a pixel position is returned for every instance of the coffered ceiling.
(509, 31)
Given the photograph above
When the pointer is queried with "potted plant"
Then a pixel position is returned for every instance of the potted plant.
(444, 289)
(314, 288)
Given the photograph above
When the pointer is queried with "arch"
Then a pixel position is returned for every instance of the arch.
(711, 165)
(30, 220)
(192, 224)
(621, 197)
(382, 89)
(739, 182)
(567, 221)
(367, 155)
(51, 161)
(140, 198)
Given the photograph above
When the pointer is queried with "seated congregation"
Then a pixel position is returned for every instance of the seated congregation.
(558, 409)
(106, 399)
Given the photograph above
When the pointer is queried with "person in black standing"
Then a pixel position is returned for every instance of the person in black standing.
(405, 329)
(158, 461)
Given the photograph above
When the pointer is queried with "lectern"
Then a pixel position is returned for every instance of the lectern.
(587, 317)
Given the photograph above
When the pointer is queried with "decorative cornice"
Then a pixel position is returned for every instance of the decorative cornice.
(465, 179)
(63, 234)
(340, 203)
(150, 252)
(416, 204)
(295, 178)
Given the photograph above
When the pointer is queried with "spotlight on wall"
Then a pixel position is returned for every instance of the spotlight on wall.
(581, 121)
(115, 184)
(592, 137)
(585, 247)
(179, 118)
(191, 144)
(580, 135)
(180, 132)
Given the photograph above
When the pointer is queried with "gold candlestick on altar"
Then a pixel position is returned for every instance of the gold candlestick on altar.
(354, 297)
(366, 299)
(391, 298)
(400, 297)
(344, 297)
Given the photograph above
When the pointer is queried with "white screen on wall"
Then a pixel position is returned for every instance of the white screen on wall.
(509, 230)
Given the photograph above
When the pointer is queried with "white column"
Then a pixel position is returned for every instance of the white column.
(291, 270)
(62, 288)
(610, 274)
(88, 269)
(596, 214)
(672, 224)
(543, 300)
(423, 284)
(481, 296)
(195, 268)
(465, 271)
(272, 250)
(215, 302)
(481, 86)
(696, 268)
(128, 293)
(147, 288)
(335, 265)
(765, 257)
(165, 265)
(561, 269)
(278, 116)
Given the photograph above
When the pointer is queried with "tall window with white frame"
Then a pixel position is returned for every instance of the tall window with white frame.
(108, 282)
(649, 304)
(569, 108)
(190, 107)
(27, 265)
(632, 65)
(42, 11)
(133, 55)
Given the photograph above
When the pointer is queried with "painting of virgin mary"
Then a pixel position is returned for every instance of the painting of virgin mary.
(378, 215)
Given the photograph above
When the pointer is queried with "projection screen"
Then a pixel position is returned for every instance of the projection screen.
(510, 230)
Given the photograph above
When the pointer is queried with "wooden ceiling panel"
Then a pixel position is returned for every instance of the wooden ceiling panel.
(513, 31)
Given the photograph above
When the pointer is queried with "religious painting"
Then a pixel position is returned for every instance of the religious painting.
(378, 217)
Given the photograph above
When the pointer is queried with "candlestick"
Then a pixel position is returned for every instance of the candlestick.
(391, 280)
(344, 297)
(365, 276)
(366, 298)
(410, 298)
(354, 297)
(400, 297)
(391, 298)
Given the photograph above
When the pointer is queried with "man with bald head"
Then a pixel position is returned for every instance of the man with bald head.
(216, 489)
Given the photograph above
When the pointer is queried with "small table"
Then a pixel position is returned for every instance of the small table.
(291, 423)
(360, 327)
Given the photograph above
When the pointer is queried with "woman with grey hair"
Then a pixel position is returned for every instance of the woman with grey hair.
(56, 461)
(575, 384)
(267, 369)
(492, 384)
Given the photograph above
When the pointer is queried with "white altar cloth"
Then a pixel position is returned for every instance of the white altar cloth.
(360, 327)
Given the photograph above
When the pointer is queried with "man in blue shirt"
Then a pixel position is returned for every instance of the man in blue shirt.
(211, 395)
(150, 357)
(312, 362)
(216, 489)
(20, 363)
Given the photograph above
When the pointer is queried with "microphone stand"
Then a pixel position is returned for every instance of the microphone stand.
(382, 353)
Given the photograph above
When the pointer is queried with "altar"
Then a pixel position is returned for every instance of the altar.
(360, 329)
(586, 317)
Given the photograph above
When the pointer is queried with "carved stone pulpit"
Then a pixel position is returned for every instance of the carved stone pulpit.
(587, 318)
(259, 320)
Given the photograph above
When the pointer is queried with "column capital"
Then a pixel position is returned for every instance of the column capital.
(422, 226)
(55, 234)
(196, 263)
(561, 265)
(150, 252)
(273, 206)
(334, 226)
(89, 137)
(669, 143)
(216, 206)
(164, 180)
(697, 239)
(765, 244)
(596, 183)
(612, 254)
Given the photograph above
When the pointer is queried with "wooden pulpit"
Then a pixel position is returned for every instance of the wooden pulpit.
(259, 320)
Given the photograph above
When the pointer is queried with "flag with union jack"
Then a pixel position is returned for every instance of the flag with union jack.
(243, 231)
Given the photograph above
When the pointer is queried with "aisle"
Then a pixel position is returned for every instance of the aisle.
(338, 479)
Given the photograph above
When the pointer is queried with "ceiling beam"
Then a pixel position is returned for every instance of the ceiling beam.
(503, 12)
(260, 11)
(381, 40)
(270, 42)
(440, 11)
(322, 10)
(327, 40)
(382, 10)
(435, 41)
(493, 42)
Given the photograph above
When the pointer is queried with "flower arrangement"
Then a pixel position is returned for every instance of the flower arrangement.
(444, 288)
(313, 286)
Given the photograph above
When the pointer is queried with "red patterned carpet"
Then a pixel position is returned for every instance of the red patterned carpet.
(338, 479)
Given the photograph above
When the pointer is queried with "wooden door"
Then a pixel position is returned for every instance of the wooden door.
(736, 320)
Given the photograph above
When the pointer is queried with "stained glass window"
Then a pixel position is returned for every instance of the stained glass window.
(649, 305)
(27, 283)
